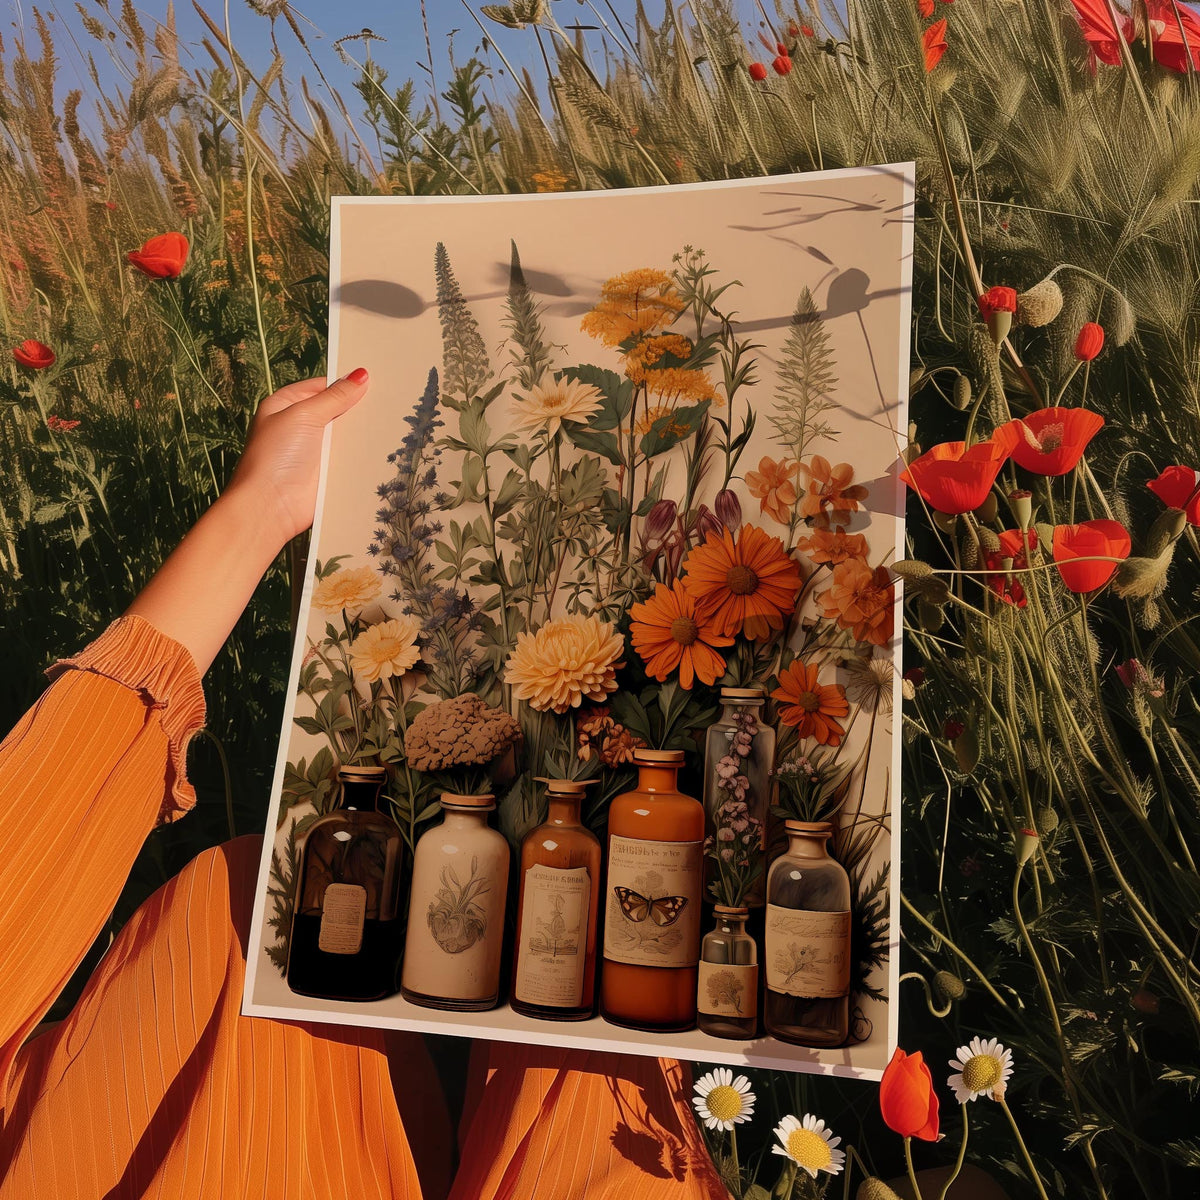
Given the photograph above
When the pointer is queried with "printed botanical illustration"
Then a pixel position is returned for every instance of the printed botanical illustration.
(725, 991)
(456, 921)
(553, 937)
(612, 491)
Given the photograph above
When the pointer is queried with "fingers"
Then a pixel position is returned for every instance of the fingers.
(285, 397)
(340, 396)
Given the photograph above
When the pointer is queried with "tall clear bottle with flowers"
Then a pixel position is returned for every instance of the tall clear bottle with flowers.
(739, 755)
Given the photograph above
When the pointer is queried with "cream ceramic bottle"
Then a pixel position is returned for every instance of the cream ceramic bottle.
(456, 910)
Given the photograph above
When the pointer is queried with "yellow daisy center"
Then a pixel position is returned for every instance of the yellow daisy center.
(741, 580)
(684, 630)
(809, 1150)
(724, 1103)
(982, 1072)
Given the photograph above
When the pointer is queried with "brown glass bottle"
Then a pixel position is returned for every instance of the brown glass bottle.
(345, 938)
(807, 944)
(554, 964)
(652, 899)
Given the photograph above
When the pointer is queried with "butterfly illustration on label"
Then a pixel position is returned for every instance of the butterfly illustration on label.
(662, 910)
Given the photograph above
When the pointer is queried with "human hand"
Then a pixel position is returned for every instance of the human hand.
(281, 463)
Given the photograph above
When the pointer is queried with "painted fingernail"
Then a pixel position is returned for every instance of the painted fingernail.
(358, 375)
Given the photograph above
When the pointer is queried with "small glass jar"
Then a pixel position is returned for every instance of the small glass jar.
(739, 738)
(807, 946)
(456, 910)
(727, 992)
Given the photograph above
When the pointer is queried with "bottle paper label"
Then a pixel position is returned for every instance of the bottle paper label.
(552, 957)
(342, 914)
(808, 953)
(727, 990)
(653, 902)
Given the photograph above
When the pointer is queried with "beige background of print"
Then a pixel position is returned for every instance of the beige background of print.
(846, 235)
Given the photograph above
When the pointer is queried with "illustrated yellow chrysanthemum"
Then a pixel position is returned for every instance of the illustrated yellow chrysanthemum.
(386, 649)
(810, 1145)
(634, 304)
(548, 405)
(564, 661)
(351, 588)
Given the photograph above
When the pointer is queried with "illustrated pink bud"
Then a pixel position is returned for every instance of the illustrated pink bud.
(659, 520)
(707, 522)
(729, 509)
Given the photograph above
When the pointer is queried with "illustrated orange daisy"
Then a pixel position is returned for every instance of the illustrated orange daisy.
(748, 586)
(829, 546)
(667, 634)
(771, 485)
(811, 708)
(861, 601)
(828, 487)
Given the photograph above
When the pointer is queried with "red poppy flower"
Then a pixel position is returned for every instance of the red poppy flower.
(758, 72)
(1179, 487)
(1174, 49)
(35, 355)
(782, 65)
(953, 478)
(1010, 588)
(1090, 342)
(925, 8)
(998, 299)
(1089, 539)
(1052, 440)
(933, 42)
(1102, 38)
(161, 257)
(907, 1099)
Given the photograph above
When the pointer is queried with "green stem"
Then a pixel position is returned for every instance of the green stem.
(962, 1153)
(1033, 1172)
(912, 1175)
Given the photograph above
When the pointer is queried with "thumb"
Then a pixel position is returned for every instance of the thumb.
(342, 395)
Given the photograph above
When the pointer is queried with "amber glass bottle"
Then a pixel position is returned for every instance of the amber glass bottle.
(554, 966)
(652, 899)
(345, 933)
(807, 948)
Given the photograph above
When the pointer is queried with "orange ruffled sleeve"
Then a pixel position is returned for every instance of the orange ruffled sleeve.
(84, 777)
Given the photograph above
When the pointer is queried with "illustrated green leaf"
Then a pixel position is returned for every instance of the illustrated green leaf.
(674, 427)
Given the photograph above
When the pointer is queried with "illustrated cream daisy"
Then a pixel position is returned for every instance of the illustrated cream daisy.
(351, 588)
(982, 1069)
(386, 649)
(548, 405)
(810, 1145)
(723, 1101)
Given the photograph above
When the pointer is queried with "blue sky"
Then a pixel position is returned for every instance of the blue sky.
(398, 22)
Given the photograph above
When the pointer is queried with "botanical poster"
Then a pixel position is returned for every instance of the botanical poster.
(620, 449)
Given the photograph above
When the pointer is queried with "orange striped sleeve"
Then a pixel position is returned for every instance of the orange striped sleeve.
(84, 777)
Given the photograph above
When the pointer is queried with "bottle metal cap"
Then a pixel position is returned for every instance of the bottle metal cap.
(363, 771)
(659, 758)
(454, 800)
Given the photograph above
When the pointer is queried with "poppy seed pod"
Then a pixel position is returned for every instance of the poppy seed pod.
(874, 1189)
(1089, 342)
(986, 512)
(989, 539)
(1021, 503)
(998, 304)
(949, 986)
(961, 395)
(930, 617)
(1047, 821)
(1040, 304)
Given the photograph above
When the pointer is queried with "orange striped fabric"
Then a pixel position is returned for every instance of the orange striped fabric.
(156, 1085)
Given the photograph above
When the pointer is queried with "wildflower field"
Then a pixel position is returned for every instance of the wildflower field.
(163, 267)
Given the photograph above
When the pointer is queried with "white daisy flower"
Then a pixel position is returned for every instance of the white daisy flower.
(983, 1068)
(810, 1145)
(723, 1101)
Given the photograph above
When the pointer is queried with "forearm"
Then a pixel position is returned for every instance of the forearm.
(199, 593)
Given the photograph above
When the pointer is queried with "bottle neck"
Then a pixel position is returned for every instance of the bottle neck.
(564, 810)
(807, 845)
(658, 779)
(361, 795)
(731, 925)
(730, 710)
(465, 818)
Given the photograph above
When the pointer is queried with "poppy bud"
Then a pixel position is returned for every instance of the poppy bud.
(912, 568)
(758, 72)
(874, 1189)
(1145, 1002)
(989, 540)
(951, 729)
(961, 396)
(729, 509)
(793, 29)
(659, 520)
(1026, 847)
(1047, 821)
(948, 986)
(907, 1101)
(1168, 527)
(1040, 304)
(986, 512)
(1090, 342)
(780, 48)
(930, 617)
(998, 304)
(915, 676)
(782, 65)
